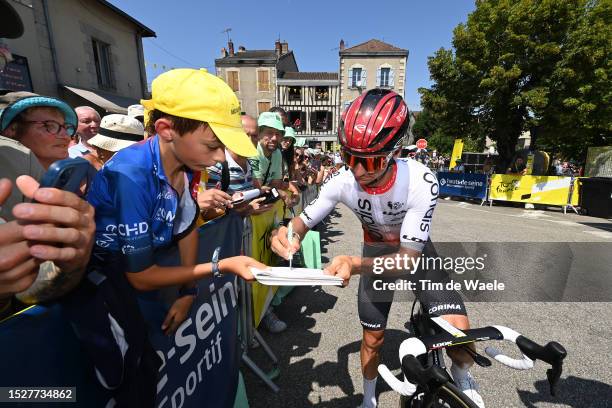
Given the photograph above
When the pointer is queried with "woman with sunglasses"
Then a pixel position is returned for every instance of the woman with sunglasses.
(394, 200)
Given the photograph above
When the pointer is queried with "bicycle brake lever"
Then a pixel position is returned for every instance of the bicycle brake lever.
(478, 358)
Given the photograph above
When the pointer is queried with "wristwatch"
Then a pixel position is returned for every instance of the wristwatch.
(215, 263)
(194, 291)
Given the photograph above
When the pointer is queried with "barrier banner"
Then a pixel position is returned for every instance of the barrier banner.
(261, 226)
(551, 190)
(470, 185)
(200, 360)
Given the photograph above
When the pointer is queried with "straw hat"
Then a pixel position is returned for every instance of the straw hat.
(117, 132)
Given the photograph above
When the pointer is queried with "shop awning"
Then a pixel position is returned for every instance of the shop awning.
(110, 103)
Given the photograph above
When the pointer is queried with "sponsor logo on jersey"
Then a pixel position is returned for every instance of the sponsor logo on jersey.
(433, 189)
(364, 212)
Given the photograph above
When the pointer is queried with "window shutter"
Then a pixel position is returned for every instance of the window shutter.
(391, 77)
(313, 121)
(378, 77)
(350, 78)
(364, 81)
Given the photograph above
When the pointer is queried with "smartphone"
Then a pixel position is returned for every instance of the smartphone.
(271, 196)
(245, 196)
(74, 175)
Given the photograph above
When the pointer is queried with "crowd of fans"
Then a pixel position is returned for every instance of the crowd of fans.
(178, 153)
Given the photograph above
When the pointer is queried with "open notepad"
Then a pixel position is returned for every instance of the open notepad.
(283, 276)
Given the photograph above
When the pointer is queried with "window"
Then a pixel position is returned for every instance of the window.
(384, 77)
(321, 121)
(101, 53)
(263, 106)
(297, 119)
(233, 80)
(356, 77)
(295, 93)
(263, 80)
(322, 93)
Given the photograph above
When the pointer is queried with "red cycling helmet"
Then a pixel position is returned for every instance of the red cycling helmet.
(374, 123)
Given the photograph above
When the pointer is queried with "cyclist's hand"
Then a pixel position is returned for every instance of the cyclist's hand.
(177, 314)
(340, 266)
(240, 266)
(280, 244)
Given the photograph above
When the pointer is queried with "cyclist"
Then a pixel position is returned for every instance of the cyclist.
(394, 199)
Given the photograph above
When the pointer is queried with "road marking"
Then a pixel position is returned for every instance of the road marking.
(534, 214)
(600, 234)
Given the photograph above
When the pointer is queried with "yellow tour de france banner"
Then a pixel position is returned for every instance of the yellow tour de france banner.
(457, 151)
(552, 190)
(262, 226)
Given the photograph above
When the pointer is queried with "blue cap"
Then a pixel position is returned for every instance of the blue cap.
(9, 113)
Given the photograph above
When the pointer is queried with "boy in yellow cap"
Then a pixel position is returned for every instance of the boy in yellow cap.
(142, 195)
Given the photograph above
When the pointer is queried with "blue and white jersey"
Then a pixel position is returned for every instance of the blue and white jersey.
(137, 210)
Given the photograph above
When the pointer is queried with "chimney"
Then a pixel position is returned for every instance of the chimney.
(241, 49)
(223, 52)
(284, 47)
(230, 46)
(341, 45)
(277, 48)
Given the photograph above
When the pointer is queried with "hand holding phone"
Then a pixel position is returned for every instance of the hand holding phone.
(73, 175)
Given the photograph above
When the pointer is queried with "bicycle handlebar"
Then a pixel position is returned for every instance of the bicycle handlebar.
(431, 378)
(518, 364)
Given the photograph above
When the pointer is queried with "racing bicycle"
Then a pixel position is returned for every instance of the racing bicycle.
(426, 381)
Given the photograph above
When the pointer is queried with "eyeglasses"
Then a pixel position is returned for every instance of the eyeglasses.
(54, 127)
(369, 163)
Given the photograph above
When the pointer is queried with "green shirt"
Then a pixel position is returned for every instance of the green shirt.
(261, 163)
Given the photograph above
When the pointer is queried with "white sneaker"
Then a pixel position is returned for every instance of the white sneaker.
(272, 323)
(466, 383)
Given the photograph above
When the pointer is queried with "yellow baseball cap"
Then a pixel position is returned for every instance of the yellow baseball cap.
(198, 95)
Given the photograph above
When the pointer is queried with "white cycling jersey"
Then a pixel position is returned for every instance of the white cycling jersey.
(400, 211)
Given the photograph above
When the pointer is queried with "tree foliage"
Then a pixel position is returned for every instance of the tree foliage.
(517, 65)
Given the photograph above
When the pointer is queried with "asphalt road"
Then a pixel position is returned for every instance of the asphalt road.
(319, 352)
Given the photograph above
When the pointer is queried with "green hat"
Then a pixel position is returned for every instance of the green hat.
(272, 120)
(290, 132)
(301, 142)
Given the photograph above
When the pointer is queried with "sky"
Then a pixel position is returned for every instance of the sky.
(190, 32)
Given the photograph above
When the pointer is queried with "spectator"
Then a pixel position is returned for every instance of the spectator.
(267, 164)
(288, 152)
(146, 189)
(249, 124)
(282, 114)
(240, 176)
(59, 227)
(89, 123)
(40, 123)
(459, 168)
(518, 167)
(116, 132)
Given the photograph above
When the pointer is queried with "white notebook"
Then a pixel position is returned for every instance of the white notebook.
(284, 276)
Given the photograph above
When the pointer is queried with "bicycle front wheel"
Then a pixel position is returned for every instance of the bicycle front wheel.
(449, 396)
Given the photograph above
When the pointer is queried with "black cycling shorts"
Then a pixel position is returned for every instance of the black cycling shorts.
(374, 305)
